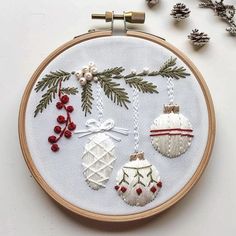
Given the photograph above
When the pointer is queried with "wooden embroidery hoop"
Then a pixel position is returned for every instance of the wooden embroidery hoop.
(104, 217)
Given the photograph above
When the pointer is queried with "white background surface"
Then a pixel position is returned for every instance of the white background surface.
(30, 30)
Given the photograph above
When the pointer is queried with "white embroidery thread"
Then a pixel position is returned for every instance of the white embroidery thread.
(138, 182)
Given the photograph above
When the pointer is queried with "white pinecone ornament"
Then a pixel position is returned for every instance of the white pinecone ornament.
(98, 160)
(171, 132)
(180, 11)
(152, 3)
(198, 38)
(138, 182)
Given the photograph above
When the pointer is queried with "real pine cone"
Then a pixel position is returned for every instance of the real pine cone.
(152, 3)
(180, 11)
(198, 38)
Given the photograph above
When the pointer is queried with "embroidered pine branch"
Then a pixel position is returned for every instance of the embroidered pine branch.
(87, 98)
(169, 69)
(141, 84)
(46, 100)
(52, 79)
(116, 71)
(69, 91)
(51, 82)
(114, 91)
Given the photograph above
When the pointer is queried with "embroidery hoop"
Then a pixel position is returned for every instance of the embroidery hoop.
(104, 217)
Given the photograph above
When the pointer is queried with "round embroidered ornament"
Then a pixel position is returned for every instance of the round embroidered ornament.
(138, 182)
(171, 132)
(79, 121)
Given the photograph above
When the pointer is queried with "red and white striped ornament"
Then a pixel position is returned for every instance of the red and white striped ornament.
(171, 132)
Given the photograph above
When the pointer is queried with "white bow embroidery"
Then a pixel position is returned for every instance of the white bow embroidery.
(95, 126)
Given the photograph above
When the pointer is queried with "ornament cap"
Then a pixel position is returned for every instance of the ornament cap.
(171, 108)
(137, 156)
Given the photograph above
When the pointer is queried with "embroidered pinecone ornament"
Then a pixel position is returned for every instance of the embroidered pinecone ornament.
(152, 3)
(171, 132)
(198, 38)
(138, 182)
(98, 160)
(180, 11)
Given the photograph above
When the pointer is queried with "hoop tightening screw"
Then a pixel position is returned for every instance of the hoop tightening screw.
(131, 17)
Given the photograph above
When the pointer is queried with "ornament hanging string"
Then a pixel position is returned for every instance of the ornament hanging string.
(170, 90)
(99, 105)
(136, 118)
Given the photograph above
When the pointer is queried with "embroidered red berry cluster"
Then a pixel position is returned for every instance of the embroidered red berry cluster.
(139, 191)
(65, 125)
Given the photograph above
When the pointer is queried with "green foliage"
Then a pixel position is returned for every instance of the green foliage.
(113, 91)
(141, 84)
(46, 100)
(69, 91)
(170, 70)
(52, 80)
(87, 98)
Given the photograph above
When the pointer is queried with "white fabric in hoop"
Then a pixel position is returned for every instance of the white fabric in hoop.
(63, 171)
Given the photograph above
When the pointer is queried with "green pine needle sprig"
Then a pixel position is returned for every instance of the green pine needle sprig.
(113, 91)
(87, 98)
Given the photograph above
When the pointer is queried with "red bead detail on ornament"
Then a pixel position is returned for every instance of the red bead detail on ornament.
(71, 126)
(52, 139)
(64, 99)
(139, 191)
(159, 184)
(123, 189)
(55, 147)
(59, 105)
(117, 187)
(67, 134)
(57, 129)
(153, 189)
(70, 109)
(61, 119)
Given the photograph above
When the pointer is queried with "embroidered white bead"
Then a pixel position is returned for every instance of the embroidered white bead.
(98, 159)
(78, 74)
(88, 76)
(138, 182)
(133, 72)
(146, 70)
(171, 134)
(82, 81)
(87, 73)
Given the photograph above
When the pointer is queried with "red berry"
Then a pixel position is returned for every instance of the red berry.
(71, 126)
(57, 129)
(64, 99)
(117, 187)
(159, 184)
(61, 119)
(153, 189)
(123, 189)
(52, 139)
(67, 134)
(70, 109)
(139, 191)
(55, 147)
(59, 105)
